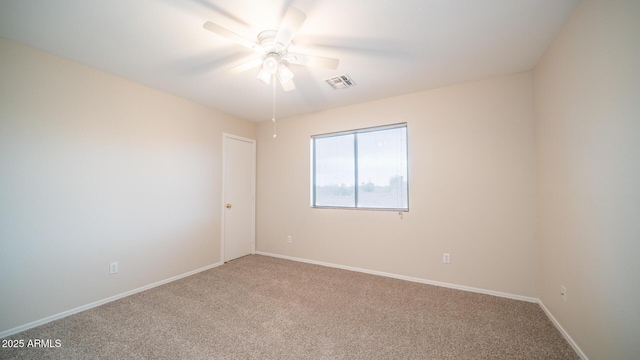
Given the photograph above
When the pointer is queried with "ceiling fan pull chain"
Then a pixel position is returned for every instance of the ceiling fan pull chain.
(273, 116)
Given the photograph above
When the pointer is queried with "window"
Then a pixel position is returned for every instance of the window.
(361, 169)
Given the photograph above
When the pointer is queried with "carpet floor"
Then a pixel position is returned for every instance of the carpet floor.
(259, 307)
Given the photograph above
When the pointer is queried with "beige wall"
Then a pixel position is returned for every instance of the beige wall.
(471, 179)
(587, 103)
(94, 169)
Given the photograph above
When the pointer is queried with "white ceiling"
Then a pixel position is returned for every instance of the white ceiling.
(388, 47)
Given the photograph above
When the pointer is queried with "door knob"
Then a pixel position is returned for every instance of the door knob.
(228, 206)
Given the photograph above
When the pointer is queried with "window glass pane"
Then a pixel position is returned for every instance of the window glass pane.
(364, 168)
(382, 169)
(334, 171)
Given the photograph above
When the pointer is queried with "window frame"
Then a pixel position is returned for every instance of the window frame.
(355, 132)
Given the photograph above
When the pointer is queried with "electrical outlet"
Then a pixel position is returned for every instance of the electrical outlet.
(563, 293)
(113, 268)
(446, 258)
(289, 239)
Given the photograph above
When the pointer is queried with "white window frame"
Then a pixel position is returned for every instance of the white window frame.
(355, 133)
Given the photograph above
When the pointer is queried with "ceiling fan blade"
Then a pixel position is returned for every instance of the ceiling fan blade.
(309, 60)
(244, 66)
(289, 27)
(215, 28)
(288, 86)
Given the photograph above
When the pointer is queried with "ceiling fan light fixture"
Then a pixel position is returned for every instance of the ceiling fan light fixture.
(271, 63)
(264, 76)
(284, 74)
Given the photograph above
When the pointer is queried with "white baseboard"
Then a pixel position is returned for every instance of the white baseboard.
(63, 314)
(408, 278)
(563, 332)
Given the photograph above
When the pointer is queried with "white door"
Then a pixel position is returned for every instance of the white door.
(238, 223)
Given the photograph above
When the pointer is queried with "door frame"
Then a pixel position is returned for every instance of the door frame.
(225, 137)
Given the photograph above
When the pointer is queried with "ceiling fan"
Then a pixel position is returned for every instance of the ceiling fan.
(272, 48)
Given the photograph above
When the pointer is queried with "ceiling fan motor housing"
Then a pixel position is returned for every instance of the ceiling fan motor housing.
(267, 39)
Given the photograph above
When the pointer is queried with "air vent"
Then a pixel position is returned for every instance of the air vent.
(340, 82)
